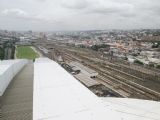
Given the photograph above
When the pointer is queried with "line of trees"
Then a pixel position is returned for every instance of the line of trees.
(4, 50)
(1, 53)
(97, 47)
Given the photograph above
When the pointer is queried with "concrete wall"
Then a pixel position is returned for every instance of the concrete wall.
(8, 70)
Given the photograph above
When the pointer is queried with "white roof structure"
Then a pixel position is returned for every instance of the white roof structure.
(154, 60)
(89, 82)
(85, 70)
(58, 95)
(82, 66)
(142, 109)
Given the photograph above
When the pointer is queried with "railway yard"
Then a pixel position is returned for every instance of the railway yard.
(115, 78)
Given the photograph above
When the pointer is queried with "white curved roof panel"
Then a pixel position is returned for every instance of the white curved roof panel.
(59, 96)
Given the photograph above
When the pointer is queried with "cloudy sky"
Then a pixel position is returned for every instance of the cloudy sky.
(53, 15)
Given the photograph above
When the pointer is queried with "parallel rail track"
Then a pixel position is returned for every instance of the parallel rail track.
(118, 81)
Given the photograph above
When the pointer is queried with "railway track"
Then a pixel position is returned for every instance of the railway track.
(113, 77)
(121, 63)
(132, 70)
(128, 72)
(128, 86)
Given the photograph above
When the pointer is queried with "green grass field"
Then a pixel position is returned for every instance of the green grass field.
(26, 52)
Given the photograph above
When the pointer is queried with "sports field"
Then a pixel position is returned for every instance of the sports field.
(26, 52)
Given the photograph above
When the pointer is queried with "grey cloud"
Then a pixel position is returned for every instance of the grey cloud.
(12, 12)
(23, 15)
(103, 7)
(112, 8)
(79, 14)
(41, 0)
(75, 4)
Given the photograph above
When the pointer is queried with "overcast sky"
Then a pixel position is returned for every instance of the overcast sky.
(53, 15)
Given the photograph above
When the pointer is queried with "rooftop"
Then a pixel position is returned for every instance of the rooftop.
(54, 94)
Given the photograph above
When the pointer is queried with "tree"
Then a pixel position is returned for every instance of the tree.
(158, 66)
(1, 53)
(138, 62)
(97, 47)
